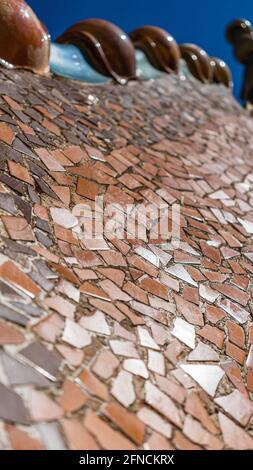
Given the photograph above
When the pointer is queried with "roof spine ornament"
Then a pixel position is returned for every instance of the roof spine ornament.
(24, 41)
(197, 61)
(204, 68)
(221, 72)
(240, 34)
(159, 46)
(107, 48)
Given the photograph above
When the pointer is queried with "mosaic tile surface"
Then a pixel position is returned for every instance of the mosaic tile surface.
(123, 344)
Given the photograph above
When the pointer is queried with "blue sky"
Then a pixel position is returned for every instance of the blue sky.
(198, 21)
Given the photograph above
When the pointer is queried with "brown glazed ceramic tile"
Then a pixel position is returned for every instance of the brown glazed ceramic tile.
(127, 422)
(105, 364)
(78, 438)
(10, 335)
(11, 272)
(107, 437)
(72, 397)
(93, 385)
(6, 133)
(17, 228)
(18, 171)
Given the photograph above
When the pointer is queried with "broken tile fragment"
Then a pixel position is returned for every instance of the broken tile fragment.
(106, 364)
(185, 332)
(75, 335)
(136, 367)
(234, 436)
(12, 407)
(123, 388)
(127, 422)
(203, 353)
(162, 403)
(207, 376)
(237, 406)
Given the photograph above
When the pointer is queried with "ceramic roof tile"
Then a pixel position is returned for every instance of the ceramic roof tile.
(124, 342)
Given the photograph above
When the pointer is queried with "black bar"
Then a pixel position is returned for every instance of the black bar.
(111, 459)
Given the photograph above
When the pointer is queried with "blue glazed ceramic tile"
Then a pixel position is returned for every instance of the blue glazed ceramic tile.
(68, 61)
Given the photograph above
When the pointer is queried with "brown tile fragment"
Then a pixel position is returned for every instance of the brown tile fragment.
(214, 314)
(11, 272)
(236, 353)
(78, 438)
(236, 334)
(18, 171)
(6, 133)
(75, 154)
(61, 305)
(154, 287)
(93, 385)
(87, 188)
(233, 293)
(142, 265)
(233, 372)
(106, 364)
(108, 438)
(182, 443)
(18, 228)
(189, 310)
(10, 335)
(136, 292)
(212, 334)
(211, 252)
(126, 421)
(49, 161)
(72, 397)
(171, 388)
(191, 294)
(250, 380)
(94, 291)
(108, 308)
(113, 258)
(115, 275)
(196, 407)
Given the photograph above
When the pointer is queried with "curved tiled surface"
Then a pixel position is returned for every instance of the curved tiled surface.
(124, 344)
